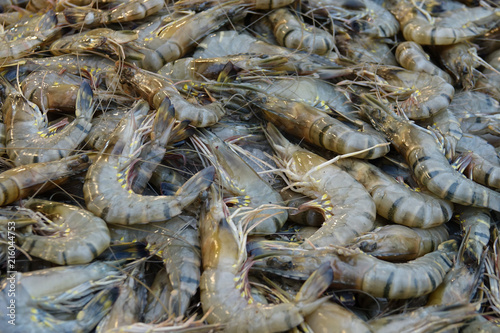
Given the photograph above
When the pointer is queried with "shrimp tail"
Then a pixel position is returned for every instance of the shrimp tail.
(196, 184)
(315, 285)
(84, 101)
(164, 121)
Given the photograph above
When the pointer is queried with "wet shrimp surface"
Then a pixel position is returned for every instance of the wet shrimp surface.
(249, 166)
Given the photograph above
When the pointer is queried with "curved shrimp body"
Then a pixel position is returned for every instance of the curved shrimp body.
(484, 167)
(23, 181)
(222, 286)
(29, 141)
(348, 208)
(427, 162)
(182, 36)
(397, 242)
(396, 201)
(124, 12)
(36, 33)
(249, 190)
(317, 127)
(105, 189)
(155, 88)
(447, 128)
(423, 94)
(179, 245)
(411, 56)
(250, 4)
(82, 236)
(294, 34)
(460, 25)
(51, 90)
(478, 221)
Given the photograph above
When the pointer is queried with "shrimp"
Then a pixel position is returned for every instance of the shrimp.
(447, 128)
(155, 88)
(239, 179)
(362, 48)
(426, 319)
(157, 305)
(124, 12)
(24, 181)
(357, 270)
(250, 4)
(179, 246)
(476, 222)
(396, 201)
(294, 34)
(460, 60)
(348, 208)
(38, 32)
(33, 289)
(461, 282)
(423, 95)
(489, 82)
(484, 166)
(331, 317)
(458, 25)
(28, 140)
(427, 162)
(397, 242)
(317, 127)
(76, 236)
(106, 192)
(224, 293)
(411, 56)
(363, 16)
(180, 37)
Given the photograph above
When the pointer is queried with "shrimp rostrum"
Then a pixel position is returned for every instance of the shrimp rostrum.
(224, 290)
(106, 189)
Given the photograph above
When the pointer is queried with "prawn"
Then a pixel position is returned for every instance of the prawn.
(476, 222)
(461, 61)
(397, 242)
(396, 201)
(294, 34)
(23, 181)
(28, 140)
(76, 236)
(426, 160)
(154, 88)
(105, 189)
(224, 293)
(411, 56)
(240, 180)
(348, 208)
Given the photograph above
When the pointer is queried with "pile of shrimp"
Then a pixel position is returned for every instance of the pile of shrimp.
(250, 166)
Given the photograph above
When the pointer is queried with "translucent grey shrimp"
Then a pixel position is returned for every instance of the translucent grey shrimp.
(461, 61)
(248, 189)
(457, 26)
(250, 4)
(476, 222)
(427, 162)
(411, 56)
(362, 48)
(106, 189)
(28, 140)
(396, 201)
(422, 95)
(124, 12)
(348, 208)
(179, 245)
(75, 235)
(24, 181)
(295, 34)
(397, 242)
(154, 88)
(484, 164)
(224, 293)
